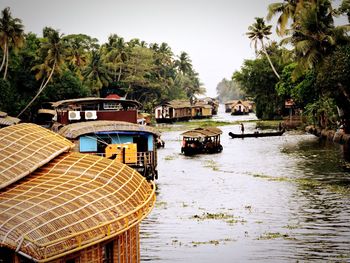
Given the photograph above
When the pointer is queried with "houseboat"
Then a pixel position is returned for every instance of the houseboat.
(109, 127)
(61, 206)
(239, 107)
(182, 110)
(129, 143)
(201, 140)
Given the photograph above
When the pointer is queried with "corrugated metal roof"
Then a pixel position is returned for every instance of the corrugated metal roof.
(74, 130)
(202, 132)
(24, 148)
(73, 202)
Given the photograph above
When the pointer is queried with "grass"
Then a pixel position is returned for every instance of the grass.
(179, 126)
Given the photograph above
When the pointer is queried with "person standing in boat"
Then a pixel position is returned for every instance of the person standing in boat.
(242, 128)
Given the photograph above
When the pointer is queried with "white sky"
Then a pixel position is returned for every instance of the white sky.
(212, 32)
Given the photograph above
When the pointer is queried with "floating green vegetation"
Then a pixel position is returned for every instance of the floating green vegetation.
(339, 189)
(229, 219)
(171, 157)
(161, 204)
(211, 164)
(211, 242)
(308, 183)
(273, 235)
(179, 126)
(291, 227)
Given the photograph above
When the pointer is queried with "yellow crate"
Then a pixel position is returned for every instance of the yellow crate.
(130, 151)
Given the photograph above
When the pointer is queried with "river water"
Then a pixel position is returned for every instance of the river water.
(273, 199)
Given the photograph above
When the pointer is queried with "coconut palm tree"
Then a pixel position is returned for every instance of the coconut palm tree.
(55, 50)
(288, 10)
(258, 31)
(184, 63)
(96, 73)
(11, 36)
(315, 36)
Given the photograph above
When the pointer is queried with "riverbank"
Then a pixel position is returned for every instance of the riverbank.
(330, 135)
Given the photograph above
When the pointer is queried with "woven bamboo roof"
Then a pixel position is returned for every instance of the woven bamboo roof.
(73, 202)
(24, 148)
(74, 130)
(64, 103)
(6, 120)
(202, 132)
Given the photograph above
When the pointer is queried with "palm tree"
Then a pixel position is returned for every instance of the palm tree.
(55, 49)
(11, 35)
(288, 10)
(96, 73)
(257, 33)
(315, 36)
(184, 63)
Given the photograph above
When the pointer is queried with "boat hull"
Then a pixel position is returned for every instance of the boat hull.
(255, 135)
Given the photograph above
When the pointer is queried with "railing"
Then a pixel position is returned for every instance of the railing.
(141, 159)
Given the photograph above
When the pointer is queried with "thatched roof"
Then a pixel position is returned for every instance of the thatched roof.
(65, 103)
(6, 120)
(202, 132)
(73, 202)
(74, 130)
(26, 147)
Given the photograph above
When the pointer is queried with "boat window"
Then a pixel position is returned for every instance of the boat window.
(107, 253)
(112, 106)
(102, 143)
(87, 144)
(142, 143)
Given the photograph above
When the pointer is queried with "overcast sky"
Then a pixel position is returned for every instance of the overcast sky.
(212, 32)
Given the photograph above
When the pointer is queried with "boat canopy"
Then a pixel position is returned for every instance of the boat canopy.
(93, 100)
(202, 132)
(66, 203)
(74, 130)
(25, 147)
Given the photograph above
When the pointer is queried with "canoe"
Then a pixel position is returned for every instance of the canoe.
(255, 135)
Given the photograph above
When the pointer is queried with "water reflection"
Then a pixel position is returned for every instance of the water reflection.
(271, 199)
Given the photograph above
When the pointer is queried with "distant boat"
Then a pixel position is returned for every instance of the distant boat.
(256, 134)
(201, 140)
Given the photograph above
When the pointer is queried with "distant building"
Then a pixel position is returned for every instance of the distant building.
(239, 107)
(182, 110)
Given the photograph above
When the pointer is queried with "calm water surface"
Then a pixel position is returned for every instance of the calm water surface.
(276, 199)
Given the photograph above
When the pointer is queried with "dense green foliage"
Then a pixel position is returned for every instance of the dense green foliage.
(54, 67)
(314, 72)
(229, 90)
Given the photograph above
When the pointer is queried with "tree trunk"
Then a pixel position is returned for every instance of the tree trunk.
(4, 57)
(7, 62)
(268, 58)
(42, 87)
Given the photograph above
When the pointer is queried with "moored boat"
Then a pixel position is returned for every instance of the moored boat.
(256, 134)
(201, 140)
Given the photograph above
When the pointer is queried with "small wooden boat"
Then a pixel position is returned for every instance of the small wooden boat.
(201, 140)
(256, 134)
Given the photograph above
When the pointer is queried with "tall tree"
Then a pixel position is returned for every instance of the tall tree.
(288, 10)
(11, 36)
(258, 31)
(315, 35)
(96, 73)
(184, 63)
(54, 49)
